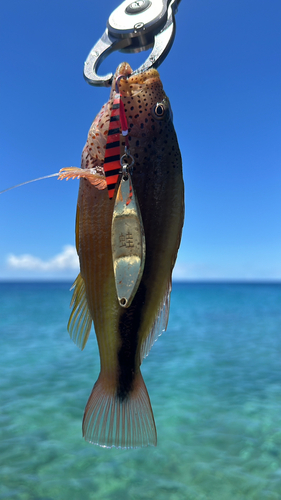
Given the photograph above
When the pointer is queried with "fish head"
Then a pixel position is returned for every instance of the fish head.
(147, 110)
(146, 105)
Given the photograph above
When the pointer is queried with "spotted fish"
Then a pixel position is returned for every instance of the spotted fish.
(118, 412)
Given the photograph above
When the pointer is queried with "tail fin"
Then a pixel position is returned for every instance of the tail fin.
(110, 421)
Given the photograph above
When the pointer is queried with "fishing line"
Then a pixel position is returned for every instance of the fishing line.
(28, 182)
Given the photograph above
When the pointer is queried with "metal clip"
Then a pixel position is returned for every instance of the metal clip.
(133, 27)
(124, 160)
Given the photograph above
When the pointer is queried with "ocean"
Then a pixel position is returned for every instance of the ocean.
(214, 380)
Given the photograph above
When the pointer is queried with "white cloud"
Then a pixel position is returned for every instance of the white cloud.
(66, 260)
(66, 263)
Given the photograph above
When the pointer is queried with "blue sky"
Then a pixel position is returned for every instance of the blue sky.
(223, 77)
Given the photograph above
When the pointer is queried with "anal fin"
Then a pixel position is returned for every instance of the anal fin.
(80, 320)
(160, 323)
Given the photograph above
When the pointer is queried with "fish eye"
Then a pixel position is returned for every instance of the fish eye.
(159, 111)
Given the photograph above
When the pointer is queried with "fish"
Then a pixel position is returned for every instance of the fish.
(118, 412)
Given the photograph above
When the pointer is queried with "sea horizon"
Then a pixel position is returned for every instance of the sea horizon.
(211, 281)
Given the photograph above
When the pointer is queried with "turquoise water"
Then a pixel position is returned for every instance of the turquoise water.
(214, 379)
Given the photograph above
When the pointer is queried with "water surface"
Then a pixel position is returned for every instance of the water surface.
(214, 380)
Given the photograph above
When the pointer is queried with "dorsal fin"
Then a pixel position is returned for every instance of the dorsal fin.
(80, 320)
(77, 232)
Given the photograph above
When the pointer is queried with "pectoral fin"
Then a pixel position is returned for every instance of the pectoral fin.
(80, 321)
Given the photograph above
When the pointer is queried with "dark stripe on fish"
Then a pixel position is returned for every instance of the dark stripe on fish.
(129, 324)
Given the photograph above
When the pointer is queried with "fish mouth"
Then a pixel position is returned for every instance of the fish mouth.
(128, 82)
(124, 69)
